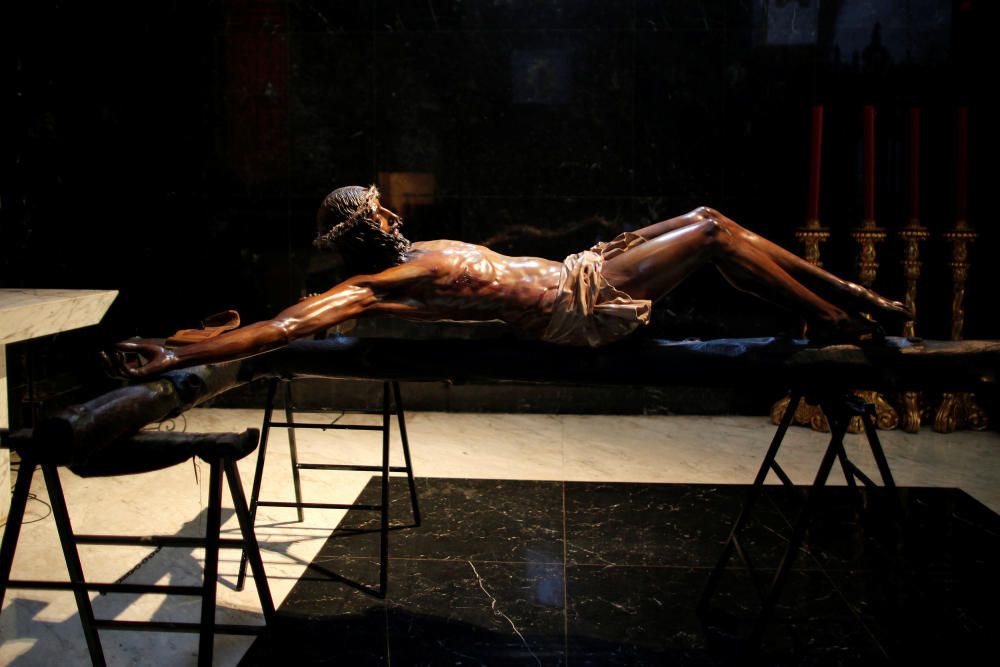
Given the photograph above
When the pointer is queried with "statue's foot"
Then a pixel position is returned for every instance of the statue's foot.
(881, 307)
(896, 310)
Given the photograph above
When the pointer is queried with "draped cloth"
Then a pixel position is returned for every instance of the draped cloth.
(589, 310)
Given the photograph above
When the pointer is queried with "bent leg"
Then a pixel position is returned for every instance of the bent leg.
(652, 269)
(666, 226)
(842, 292)
(847, 295)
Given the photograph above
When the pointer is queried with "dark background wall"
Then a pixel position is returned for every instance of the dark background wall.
(176, 151)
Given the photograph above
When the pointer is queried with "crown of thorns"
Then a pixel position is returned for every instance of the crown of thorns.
(366, 208)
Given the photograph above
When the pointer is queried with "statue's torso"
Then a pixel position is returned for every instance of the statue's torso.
(468, 282)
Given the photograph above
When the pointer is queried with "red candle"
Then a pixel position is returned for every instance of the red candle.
(869, 164)
(815, 153)
(914, 163)
(962, 203)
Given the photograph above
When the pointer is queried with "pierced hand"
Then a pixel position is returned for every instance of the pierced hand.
(137, 359)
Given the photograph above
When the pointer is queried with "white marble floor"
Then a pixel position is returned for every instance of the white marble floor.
(41, 628)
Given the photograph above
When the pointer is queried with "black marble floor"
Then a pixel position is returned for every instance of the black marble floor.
(552, 573)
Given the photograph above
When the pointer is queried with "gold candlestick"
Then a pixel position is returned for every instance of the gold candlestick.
(867, 235)
(959, 410)
(810, 235)
(912, 235)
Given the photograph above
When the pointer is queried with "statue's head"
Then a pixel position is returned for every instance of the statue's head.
(352, 221)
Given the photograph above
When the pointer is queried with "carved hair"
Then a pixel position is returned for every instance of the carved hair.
(346, 223)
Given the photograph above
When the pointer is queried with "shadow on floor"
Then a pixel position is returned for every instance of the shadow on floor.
(551, 573)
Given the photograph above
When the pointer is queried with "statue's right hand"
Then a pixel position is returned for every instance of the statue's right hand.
(137, 358)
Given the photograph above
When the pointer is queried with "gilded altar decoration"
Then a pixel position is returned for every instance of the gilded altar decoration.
(912, 235)
(867, 236)
(960, 410)
(810, 235)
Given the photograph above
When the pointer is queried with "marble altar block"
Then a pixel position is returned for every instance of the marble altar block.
(31, 313)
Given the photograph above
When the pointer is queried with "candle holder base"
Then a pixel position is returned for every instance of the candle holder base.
(867, 236)
(915, 231)
(910, 412)
(886, 417)
(960, 411)
(805, 415)
(811, 236)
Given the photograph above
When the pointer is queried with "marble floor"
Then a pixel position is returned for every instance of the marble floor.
(513, 572)
(526, 456)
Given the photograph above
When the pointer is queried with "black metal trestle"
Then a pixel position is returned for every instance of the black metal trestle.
(384, 468)
(839, 409)
(212, 542)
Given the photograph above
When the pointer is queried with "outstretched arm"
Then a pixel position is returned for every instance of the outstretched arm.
(352, 298)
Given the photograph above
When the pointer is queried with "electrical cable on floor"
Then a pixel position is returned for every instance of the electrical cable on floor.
(14, 468)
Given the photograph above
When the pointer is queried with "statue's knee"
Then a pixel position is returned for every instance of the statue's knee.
(714, 229)
(719, 221)
(706, 212)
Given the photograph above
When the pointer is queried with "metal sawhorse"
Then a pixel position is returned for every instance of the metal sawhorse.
(384, 468)
(839, 408)
(147, 451)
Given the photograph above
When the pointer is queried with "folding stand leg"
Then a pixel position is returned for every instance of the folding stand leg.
(839, 410)
(65, 529)
(384, 550)
(845, 464)
(68, 540)
(839, 420)
(12, 531)
(251, 547)
(293, 449)
(866, 413)
(401, 419)
(878, 453)
(206, 641)
(732, 543)
(258, 474)
(385, 469)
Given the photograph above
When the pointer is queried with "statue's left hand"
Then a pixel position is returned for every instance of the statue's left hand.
(137, 359)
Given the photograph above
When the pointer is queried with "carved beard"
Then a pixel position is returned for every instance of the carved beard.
(366, 249)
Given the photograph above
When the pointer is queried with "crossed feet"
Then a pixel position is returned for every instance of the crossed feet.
(857, 327)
